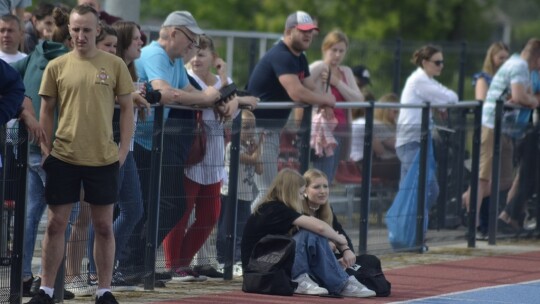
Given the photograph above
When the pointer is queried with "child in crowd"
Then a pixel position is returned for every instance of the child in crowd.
(250, 164)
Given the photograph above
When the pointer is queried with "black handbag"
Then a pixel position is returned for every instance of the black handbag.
(270, 266)
(368, 271)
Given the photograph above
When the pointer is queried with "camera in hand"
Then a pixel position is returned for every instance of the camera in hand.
(226, 92)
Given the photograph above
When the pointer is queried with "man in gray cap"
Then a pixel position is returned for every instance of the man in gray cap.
(161, 65)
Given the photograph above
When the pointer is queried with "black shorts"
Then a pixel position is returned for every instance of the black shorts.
(64, 181)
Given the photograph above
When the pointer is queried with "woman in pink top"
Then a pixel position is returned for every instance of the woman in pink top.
(332, 77)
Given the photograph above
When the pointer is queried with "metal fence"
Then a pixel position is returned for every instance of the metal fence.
(360, 197)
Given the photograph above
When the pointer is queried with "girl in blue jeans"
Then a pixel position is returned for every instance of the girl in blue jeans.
(280, 212)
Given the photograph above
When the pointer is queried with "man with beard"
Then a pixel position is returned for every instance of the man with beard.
(282, 75)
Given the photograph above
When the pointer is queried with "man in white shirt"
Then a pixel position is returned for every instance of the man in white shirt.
(11, 35)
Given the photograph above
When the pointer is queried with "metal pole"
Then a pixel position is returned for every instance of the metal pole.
(154, 199)
(495, 173)
(422, 177)
(305, 131)
(366, 179)
(475, 167)
(20, 217)
(397, 67)
(232, 203)
(126, 9)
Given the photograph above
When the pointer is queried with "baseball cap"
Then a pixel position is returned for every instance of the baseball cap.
(301, 20)
(361, 72)
(183, 18)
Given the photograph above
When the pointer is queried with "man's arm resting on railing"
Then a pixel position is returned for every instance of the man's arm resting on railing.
(188, 96)
(522, 97)
(300, 93)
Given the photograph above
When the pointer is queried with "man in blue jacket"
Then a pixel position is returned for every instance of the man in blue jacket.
(11, 92)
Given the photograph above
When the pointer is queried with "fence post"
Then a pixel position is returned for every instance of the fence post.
(475, 167)
(305, 131)
(495, 173)
(462, 65)
(232, 202)
(20, 216)
(397, 67)
(422, 177)
(365, 200)
(154, 199)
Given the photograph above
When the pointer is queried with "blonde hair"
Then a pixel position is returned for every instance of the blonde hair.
(285, 188)
(489, 66)
(383, 114)
(332, 38)
(324, 213)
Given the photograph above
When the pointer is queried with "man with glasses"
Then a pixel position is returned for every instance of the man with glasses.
(282, 75)
(161, 65)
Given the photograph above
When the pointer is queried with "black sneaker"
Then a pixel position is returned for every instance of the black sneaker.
(27, 286)
(119, 280)
(41, 298)
(36, 284)
(209, 271)
(106, 298)
(68, 295)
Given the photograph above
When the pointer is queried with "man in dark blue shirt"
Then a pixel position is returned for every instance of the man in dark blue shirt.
(11, 92)
(282, 75)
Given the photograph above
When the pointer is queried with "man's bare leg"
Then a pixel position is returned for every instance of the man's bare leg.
(53, 242)
(102, 218)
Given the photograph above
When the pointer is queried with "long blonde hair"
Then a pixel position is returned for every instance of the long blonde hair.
(285, 188)
(489, 66)
(324, 213)
(383, 114)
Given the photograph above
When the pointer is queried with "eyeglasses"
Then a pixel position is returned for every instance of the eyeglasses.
(193, 41)
(437, 62)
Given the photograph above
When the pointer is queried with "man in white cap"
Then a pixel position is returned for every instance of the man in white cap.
(282, 75)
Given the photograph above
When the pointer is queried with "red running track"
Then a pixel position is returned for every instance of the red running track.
(413, 282)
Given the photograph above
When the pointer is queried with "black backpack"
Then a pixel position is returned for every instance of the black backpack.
(270, 265)
(368, 271)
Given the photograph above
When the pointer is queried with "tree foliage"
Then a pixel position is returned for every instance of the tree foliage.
(367, 19)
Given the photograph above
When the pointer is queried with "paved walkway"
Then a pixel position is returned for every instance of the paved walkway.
(204, 292)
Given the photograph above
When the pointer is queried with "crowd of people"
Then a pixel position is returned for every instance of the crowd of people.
(76, 64)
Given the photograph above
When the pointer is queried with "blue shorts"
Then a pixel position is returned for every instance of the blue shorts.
(64, 181)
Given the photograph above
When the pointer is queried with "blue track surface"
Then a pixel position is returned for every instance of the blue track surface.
(522, 293)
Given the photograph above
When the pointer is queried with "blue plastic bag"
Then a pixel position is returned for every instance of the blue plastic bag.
(401, 217)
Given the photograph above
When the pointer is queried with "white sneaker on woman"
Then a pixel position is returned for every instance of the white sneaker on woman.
(356, 289)
(308, 287)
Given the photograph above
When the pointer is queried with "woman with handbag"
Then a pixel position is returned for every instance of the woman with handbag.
(280, 213)
(202, 180)
(366, 268)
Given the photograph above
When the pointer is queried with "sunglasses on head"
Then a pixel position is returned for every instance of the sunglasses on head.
(438, 62)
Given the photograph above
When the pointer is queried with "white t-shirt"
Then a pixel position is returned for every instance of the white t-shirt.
(419, 88)
(10, 58)
(211, 169)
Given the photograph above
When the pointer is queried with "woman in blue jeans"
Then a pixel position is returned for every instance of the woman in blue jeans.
(130, 201)
(280, 212)
(420, 87)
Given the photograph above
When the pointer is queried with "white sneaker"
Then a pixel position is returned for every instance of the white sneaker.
(356, 289)
(307, 286)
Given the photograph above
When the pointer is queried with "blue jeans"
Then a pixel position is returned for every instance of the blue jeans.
(131, 208)
(313, 256)
(406, 154)
(35, 206)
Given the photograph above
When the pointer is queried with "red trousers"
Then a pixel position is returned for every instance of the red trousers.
(181, 245)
